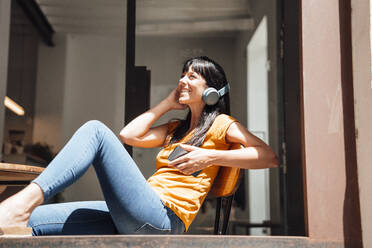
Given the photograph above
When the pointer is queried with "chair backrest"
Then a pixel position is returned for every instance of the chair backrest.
(227, 180)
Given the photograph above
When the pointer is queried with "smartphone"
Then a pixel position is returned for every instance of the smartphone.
(178, 152)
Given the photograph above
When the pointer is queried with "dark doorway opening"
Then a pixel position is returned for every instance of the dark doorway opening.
(161, 42)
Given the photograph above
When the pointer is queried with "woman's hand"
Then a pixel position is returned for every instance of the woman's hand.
(172, 100)
(196, 160)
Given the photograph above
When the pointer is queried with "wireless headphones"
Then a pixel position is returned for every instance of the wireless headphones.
(211, 95)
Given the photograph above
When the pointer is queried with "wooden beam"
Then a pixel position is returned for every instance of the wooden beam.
(80, 12)
(194, 3)
(130, 61)
(210, 4)
(38, 19)
(81, 3)
(192, 27)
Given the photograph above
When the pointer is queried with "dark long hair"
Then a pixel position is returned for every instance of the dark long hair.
(215, 77)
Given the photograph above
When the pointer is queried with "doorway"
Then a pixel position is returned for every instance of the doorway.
(168, 32)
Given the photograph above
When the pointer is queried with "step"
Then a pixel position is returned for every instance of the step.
(167, 241)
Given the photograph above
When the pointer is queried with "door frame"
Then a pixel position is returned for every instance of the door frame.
(292, 184)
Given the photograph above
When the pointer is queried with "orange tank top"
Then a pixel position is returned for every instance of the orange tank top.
(181, 193)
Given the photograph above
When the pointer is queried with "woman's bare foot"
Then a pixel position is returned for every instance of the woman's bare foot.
(16, 210)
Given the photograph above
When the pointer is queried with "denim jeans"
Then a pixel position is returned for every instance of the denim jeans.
(131, 206)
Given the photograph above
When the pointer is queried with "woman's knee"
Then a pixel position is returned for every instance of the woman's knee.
(94, 125)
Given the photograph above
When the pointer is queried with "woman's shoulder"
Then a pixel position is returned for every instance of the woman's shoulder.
(220, 126)
(222, 119)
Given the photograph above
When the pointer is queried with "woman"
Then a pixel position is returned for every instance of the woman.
(170, 199)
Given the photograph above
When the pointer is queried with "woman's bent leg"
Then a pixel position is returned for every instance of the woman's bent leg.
(133, 205)
(71, 162)
(73, 218)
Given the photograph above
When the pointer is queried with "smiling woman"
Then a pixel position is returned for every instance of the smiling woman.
(174, 193)
(200, 75)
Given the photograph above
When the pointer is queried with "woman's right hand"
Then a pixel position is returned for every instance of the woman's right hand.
(172, 100)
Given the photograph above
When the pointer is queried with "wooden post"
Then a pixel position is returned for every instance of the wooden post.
(130, 61)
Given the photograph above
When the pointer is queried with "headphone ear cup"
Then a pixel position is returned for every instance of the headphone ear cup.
(210, 96)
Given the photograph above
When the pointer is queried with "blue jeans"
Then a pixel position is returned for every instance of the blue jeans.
(131, 206)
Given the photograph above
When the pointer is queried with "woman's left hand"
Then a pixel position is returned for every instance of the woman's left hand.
(196, 160)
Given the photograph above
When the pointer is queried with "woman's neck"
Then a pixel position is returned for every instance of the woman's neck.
(196, 111)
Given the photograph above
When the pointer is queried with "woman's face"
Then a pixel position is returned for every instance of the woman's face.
(191, 87)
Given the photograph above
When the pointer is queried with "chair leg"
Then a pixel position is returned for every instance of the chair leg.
(226, 214)
(217, 219)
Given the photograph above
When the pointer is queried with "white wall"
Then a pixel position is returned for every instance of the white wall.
(4, 50)
(80, 79)
(94, 90)
(361, 45)
(50, 91)
(94, 82)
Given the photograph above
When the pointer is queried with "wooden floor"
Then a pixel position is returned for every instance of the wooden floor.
(166, 241)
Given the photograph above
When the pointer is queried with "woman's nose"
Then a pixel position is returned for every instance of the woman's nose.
(183, 81)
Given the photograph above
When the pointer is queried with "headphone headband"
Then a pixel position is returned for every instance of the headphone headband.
(224, 90)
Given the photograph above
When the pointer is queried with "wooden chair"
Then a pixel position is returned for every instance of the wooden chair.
(16, 175)
(224, 187)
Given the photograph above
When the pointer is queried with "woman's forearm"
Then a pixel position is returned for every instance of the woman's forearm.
(246, 158)
(141, 124)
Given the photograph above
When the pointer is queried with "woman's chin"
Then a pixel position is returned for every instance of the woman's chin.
(183, 101)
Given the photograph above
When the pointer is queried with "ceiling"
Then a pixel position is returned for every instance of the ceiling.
(154, 17)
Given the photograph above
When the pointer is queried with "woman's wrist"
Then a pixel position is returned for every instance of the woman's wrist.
(216, 156)
(170, 105)
(166, 105)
